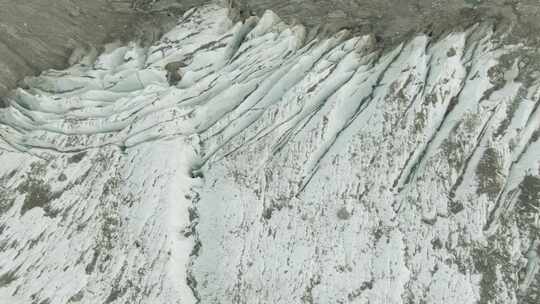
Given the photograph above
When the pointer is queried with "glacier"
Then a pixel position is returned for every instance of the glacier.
(248, 160)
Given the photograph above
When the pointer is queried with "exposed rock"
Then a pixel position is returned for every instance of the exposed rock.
(37, 35)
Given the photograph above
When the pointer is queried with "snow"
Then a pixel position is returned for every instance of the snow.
(280, 169)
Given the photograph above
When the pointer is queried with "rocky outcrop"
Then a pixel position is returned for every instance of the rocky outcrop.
(284, 166)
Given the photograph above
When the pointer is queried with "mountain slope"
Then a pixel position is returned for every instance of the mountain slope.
(261, 162)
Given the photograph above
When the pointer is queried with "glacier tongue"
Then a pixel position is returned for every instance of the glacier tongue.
(284, 166)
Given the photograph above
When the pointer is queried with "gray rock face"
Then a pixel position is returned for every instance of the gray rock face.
(392, 21)
(285, 165)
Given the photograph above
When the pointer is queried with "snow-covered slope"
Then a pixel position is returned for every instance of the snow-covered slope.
(284, 167)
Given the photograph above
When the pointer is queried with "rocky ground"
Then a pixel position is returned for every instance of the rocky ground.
(36, 35)
(394, 20)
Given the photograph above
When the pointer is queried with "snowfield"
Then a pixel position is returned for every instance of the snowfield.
(285, 166)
